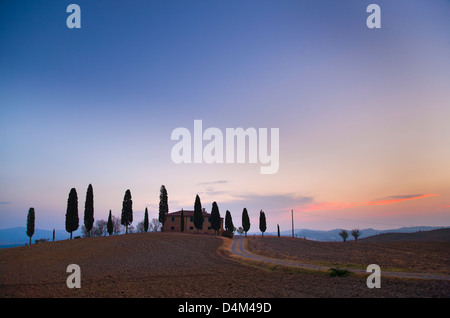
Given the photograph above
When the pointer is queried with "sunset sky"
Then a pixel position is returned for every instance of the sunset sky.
(363, 114)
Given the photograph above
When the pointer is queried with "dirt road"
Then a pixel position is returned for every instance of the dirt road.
(238, 248)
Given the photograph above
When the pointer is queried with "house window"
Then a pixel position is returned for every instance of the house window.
(191, 228)
(173, 219)
(191, 219)
(172, 228)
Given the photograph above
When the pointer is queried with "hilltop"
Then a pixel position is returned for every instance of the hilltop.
(439, 235)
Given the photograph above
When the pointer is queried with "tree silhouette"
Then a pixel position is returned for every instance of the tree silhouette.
(245, 221)
(89, 210)
(198, 214)
(229, 226)
(278, 229)
(356, 233)
(146, 220)
(110, 225)
(72, 221)
(163, 206)
(343, 234)
(30, 223)
(182, 221)
(262, 222)
(215, 217)
(127, 211)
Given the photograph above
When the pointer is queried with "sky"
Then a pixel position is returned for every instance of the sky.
(363, 114)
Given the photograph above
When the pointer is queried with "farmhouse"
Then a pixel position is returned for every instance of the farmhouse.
(173, 222)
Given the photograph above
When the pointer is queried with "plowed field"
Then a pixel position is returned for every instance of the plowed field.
(175, 265)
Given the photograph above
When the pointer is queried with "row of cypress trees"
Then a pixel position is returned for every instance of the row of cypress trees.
(126, 216)
(246, 221)
(229, 226)
(216, 219)
(72, 220)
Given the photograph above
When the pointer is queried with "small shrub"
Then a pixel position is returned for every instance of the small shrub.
(227, 233)
(43, 240)
(333, 272)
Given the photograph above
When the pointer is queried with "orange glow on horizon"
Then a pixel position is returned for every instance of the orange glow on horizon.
(346, 205)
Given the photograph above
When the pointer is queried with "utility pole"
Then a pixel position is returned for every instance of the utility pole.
(292, 216)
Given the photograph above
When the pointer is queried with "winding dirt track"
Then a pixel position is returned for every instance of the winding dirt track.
(238, 248)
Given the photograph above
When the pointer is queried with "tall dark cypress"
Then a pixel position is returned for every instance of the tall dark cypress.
(109, 225)
(182, 221)
(229, 226)
(215, 217)
(30, 223)
(262, 222)
(198, 214)
(89, 210)
(245, 221)
(163, 206)
(146, 220)
(72, 221)
(127, 211)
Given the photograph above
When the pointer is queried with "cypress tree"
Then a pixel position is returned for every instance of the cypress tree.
(89, 210)
(30, 223)
(109, 225)
(163, 206)
(198, 214)
(245, 221)
(278, 230)
(215, 217)
(72, 221)
(127, 211)
(262, 222)
(229, 226)
(146, 220)
(182, 221)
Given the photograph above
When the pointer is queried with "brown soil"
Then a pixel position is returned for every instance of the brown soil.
(175, 265)
(413, 256)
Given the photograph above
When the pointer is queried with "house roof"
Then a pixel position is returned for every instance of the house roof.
(188, 213)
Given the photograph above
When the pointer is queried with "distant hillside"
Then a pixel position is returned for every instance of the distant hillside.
(440, 235)
(18, 236)
(333, 235)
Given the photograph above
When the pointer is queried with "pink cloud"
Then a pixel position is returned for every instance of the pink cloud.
(382, 201)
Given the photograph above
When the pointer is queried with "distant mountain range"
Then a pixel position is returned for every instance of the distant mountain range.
(17, 236)
(333, 235)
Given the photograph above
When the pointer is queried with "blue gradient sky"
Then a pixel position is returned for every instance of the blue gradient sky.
(363, 114)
